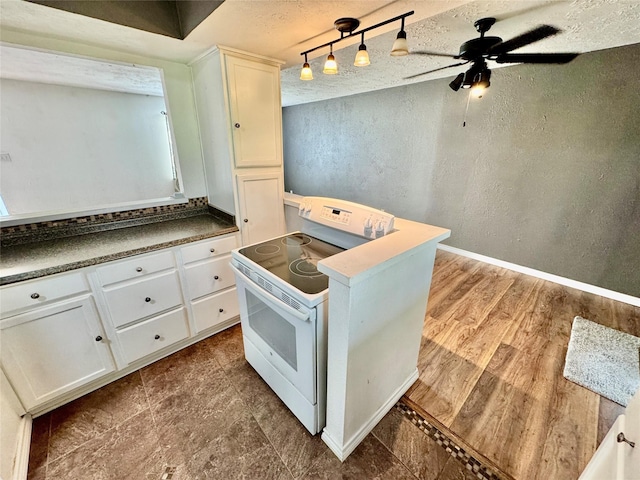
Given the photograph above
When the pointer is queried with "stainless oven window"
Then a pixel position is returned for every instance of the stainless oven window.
(276, 332)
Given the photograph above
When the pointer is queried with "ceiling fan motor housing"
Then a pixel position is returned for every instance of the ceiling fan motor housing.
(477, 47)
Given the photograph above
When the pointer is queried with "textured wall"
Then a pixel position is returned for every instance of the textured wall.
(546, 173)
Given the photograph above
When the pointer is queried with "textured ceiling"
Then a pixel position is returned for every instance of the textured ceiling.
(283, 28)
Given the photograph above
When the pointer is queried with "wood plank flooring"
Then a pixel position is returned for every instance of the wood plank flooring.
(491, 361)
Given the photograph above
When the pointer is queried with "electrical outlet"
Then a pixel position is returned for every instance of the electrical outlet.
(5, 157)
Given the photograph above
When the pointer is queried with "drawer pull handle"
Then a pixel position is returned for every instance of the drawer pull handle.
(148, 299)
(98, 338)
(221, 310)
(139, 269)
(237, 125)
(157, 337)
(212, 250)
(216, 277)
(35, 295)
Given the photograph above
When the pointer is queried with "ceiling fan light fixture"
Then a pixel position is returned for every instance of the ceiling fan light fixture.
(362, 57)
(481, 83)
(457, 82)
(400, 46)
(468, 78)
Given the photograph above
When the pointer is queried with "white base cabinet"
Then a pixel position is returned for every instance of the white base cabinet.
(65, 335)
(52, 350)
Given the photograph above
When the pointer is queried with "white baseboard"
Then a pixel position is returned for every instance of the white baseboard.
(567, 282)
(21, 461)
(343, 451)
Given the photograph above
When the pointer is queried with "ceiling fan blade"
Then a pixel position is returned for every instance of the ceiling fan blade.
(535, 35)
(436, 70)
(432, 54)
(535, 57)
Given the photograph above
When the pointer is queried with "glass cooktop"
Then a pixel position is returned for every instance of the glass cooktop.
(294, 259)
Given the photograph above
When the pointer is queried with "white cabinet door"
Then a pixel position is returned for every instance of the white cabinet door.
(616, 460)
(53, 350)
(256, 112)
(261, 207)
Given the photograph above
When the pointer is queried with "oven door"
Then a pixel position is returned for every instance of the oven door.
(284, 336)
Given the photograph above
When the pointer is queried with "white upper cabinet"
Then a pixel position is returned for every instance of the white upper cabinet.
(261, 207)
(256, 117)
(240, 120)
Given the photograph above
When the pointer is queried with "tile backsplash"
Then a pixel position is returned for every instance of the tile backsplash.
(33, 232)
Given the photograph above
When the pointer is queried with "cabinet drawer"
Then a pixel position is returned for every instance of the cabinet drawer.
(209, 277)
(135, 267)
(215, 309)
(208, 249)
(154, 334)
(36, 292)
(144, 298)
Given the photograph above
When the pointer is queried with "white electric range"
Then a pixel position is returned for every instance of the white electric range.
(283, 299)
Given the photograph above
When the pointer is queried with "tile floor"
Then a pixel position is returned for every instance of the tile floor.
(204, 413)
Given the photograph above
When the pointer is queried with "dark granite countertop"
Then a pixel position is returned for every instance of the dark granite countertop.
(33, 260)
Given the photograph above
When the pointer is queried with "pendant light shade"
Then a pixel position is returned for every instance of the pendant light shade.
(362, 57)
(306, 73)
(400, 46)
(330, 66)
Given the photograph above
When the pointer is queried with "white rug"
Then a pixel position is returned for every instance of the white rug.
(604, 360)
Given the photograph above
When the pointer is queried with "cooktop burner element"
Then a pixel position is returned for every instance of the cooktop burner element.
(294, 258)
(306, 267)
(267, 249)
(297, 239)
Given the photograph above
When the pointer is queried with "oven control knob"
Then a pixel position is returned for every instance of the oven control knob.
(368, 227)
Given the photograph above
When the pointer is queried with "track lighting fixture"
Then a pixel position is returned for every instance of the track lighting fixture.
(330, 66)
(400, 46)
(306, 73)
(346, 27)
(362, 57)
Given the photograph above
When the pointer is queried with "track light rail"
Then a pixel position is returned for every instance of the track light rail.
(361, 31)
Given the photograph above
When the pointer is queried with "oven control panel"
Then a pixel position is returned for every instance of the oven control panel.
(346, 216)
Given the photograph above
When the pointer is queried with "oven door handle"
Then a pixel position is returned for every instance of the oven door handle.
(270, 299)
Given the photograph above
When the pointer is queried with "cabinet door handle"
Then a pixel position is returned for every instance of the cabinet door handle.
(35, 295)
(212, 250)
(148, 299)
(139, 269)
(246, 220)
(157, 337)
(237, 125)
(216, 277)
(221, 310)
(621, 438)
(98, 338)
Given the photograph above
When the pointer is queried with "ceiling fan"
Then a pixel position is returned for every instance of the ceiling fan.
(478, 50)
